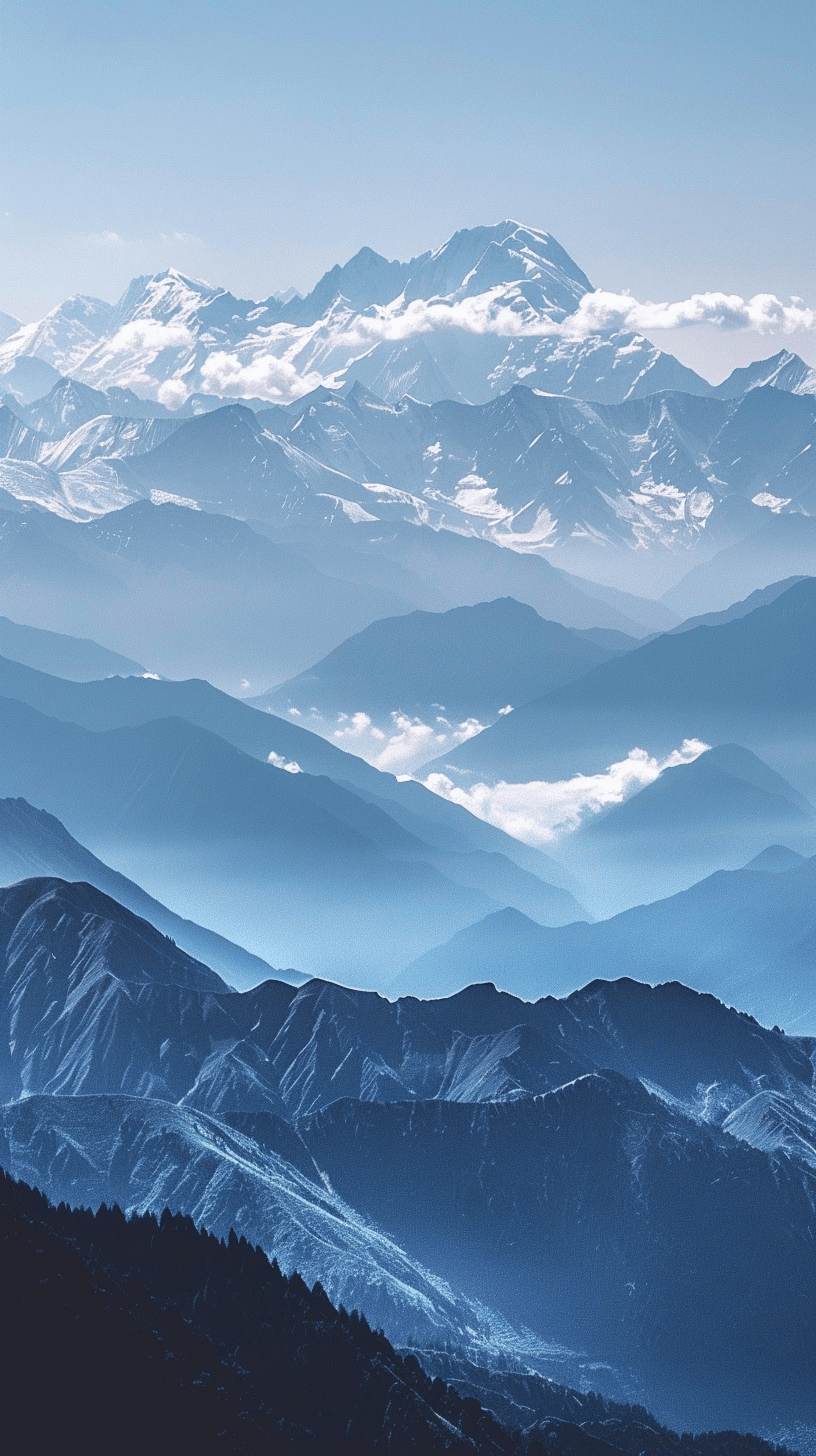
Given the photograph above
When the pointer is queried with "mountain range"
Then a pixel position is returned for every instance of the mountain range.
(146, 1081)
(746, 935)
(296, 867)
(220, 600)
(559, 478)
(500, 297)
(494, 407)
(470, 663)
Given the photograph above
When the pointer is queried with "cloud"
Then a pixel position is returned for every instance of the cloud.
(411, 742)
(270, 371)
(537, 812)
(173, 393)
(264, 377)
(504, 311)
(764, 313)
(277, 760)
(106, 239)
(148, 336)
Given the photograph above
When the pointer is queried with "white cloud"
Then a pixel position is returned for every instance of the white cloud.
(149, 335)
(764, 313)
(503, 310)
(277, 760)
(264, 377)
(411, 743)
(173, 393)
(537, 812)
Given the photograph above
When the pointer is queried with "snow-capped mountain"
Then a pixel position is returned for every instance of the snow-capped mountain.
(465, 321)
(536, 472)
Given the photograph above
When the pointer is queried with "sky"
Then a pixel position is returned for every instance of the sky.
(668, 146)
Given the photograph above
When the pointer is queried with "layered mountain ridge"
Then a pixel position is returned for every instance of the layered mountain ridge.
(147, 1082)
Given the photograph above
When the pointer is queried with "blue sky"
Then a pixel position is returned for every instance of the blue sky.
(668, 146)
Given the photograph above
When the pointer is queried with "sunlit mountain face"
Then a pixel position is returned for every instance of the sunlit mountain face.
(407, 845)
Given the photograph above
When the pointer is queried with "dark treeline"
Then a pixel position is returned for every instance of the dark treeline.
(137, 1334)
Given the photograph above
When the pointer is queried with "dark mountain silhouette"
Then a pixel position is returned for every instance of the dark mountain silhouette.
(160, 1334)
(170, 1336)
(139, 1078)
(72, 957)
(598, 1213)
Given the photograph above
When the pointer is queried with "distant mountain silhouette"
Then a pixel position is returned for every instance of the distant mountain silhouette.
(214, 597)
(468, 662)
(446, 828)
(745, 935)
(34, 843)
(713, 813)
(71, 657)
(745, 681)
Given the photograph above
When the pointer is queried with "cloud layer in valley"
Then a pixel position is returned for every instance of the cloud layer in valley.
(398, 747)
(539, 812)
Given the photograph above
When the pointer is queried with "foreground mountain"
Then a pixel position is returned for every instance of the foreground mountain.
(162, 1325)
(562, 1210)
(139, 1079)
(72, 958)
(235, 1355)
(747, 936)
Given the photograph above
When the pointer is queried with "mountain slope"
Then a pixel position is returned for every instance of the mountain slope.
(296, 868)
(33, 843)
(204, 338)
(563, 1210)
(76, 658)
(459, 845)
(743, 681)
(214, 598)
(129, 1320)
(468, 662)
(713, 813)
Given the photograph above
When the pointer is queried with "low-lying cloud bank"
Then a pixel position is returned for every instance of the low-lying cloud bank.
(411, 742)
(539, 812)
